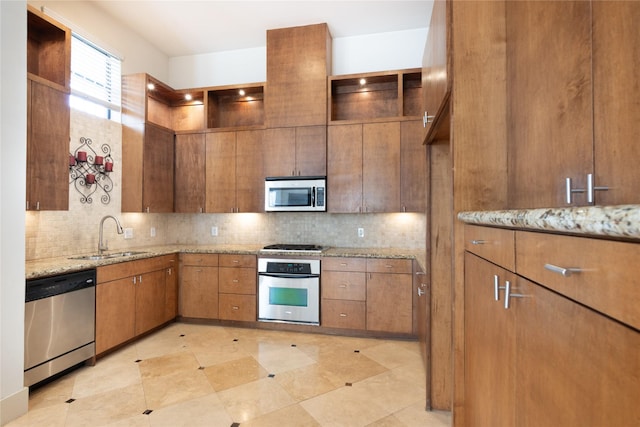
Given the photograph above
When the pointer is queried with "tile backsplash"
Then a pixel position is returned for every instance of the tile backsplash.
(72, 232)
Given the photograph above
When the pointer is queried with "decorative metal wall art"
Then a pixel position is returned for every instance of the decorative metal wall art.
(89, 172)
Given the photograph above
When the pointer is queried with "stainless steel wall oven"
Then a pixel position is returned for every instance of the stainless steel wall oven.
(289, 290)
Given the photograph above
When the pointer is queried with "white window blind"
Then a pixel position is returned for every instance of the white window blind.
(95, 79)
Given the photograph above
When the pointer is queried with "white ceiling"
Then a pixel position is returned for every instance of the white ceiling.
(180, 28)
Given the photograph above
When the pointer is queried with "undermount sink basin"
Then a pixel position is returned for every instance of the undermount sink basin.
(96, 257)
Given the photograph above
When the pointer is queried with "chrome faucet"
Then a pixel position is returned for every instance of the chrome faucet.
(101, 246)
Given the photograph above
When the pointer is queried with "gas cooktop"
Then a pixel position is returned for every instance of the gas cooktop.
(290, 247)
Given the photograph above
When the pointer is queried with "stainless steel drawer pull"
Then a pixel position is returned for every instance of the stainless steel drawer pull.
(235, 280)
(508, 295)
(591, 188)
(497, 287)
(343, 315)
(343, 285)
(566, 272)
(421, 292)
(235, 307)
(570, 191)
(478, 242)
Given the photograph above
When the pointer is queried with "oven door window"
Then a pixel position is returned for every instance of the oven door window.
(288, 296)
(290, 197)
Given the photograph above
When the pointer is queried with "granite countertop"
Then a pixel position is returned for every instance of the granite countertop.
(619, 222)
(60, 265)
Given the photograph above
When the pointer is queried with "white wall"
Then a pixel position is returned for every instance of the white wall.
(359, 54)
(138, 55)
(13, 137)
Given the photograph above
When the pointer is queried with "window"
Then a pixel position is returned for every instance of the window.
(95, 79)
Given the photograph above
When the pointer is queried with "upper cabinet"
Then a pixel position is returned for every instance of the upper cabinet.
(235, 106)
(375, 96)
(436, 83)
(299, 151)
(48, 115)
(573, 128)
(298, 63)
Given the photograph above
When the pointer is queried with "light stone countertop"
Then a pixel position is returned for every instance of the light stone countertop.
(61, 265)
(618, 222)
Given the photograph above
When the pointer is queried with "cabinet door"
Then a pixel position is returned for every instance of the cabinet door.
(280, 152)
(344, 168)
(47, 148)
(220, 184)
(489, 347)
(311, 151)
(150, 301)
(157, 170)
(575, 367)
(298, 63)
(171, 293)
(199, 292)
(249, 171)
(435, 83)
(381, 167)
(413, 168)
(115, 313)
(390, 302)
(616, 60)
(190, 173)
(550, 103)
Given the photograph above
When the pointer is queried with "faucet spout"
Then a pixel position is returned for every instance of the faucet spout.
(102, 246)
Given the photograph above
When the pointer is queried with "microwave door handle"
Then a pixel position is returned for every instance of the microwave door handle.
(313, 197)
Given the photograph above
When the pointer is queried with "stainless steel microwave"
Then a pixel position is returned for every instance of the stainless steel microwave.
(295, 194)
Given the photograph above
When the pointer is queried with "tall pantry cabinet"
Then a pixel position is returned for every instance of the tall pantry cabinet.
(48, 115)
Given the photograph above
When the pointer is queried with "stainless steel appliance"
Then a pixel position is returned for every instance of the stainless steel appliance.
(295, 194)
(59, 327)
(289, 290)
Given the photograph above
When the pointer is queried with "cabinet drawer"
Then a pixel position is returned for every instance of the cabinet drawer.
(345, 285)
(120, 270)
(607, 280)
(238, 307)
(209, 260)
(238, 280)
(389, 266)
(231, 260)
(343, 314)
(344, 264)
(493, 244)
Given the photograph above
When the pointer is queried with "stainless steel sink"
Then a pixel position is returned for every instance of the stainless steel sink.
(97, 257)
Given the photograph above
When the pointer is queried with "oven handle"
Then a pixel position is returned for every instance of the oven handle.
(290, 276)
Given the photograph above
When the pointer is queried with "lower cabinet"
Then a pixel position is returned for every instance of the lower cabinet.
(535, 356)
(131, 299)
(238, 282)
(367, 294)
(198, 296)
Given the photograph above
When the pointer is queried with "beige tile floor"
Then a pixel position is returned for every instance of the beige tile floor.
(201, 375)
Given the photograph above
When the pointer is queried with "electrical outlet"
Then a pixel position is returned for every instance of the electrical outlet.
(128, 233)
(360, 232)
(153, 232)
(214, 231)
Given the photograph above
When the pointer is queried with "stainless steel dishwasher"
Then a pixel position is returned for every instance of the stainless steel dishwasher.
(59, 324)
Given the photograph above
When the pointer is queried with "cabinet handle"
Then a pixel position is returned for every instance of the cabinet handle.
(140, 279)
(147, 209)
(235, 261)
(421, 292)
(566, 272)
(388, 266)
(478, 242)
(235, 280)
(426, 119)
(37, 206)
(343, 315)
(343, 264)
(344, 285)
(420, 273)
(570, 190)
(235, 307)
(591, 188)
(134, 280)
(497, 287)
(508, 295)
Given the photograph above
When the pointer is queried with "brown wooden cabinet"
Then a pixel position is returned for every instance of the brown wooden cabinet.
(413, 168)
(130, 300)
(344, 293)
(577, 120)
(422, 322)
(299, 151)
(147, 169)
(364, 167)
(237, 287)
(298, 63)
(190, 177)
(235, 176)
(390, 280)
(235, 106)
(539, 353)
(171, 289)
(48, 115)
(436, 84)
(198, 290)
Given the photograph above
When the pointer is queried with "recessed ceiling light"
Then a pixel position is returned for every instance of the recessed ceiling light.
(363, 82)
(188, 97)
(151, 86)
(241, 92)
